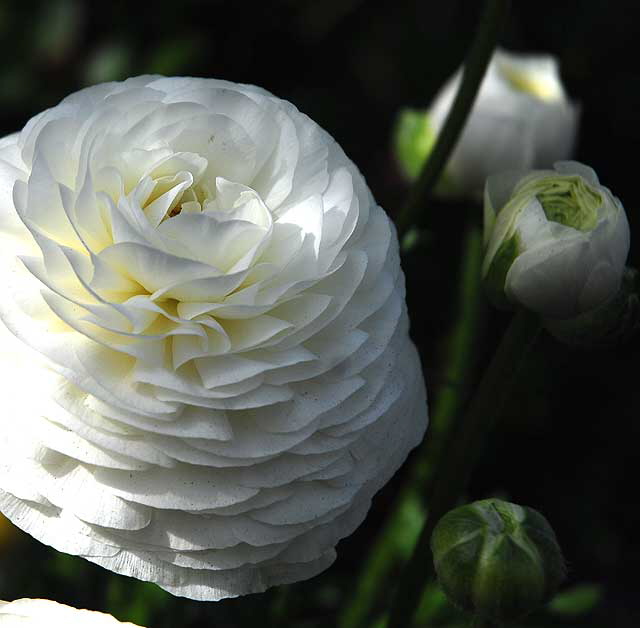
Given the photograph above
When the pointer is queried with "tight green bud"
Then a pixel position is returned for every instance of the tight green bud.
(496, 559)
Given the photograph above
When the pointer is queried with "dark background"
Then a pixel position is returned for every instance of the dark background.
(568, 443)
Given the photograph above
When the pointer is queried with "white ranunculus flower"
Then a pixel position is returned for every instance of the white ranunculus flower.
(47, 614)
(556, 240)
(521, 119)
(206, 369)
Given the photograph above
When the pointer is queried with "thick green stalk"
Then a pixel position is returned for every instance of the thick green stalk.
(474, 69)
(459, 365)
(462, 451)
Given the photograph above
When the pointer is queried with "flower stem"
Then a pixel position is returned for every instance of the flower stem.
(279, 606)
(464, 446)
(459, 364)
(475, 66)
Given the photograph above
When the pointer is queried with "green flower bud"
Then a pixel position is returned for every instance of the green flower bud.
(497, 559)
(556, 241)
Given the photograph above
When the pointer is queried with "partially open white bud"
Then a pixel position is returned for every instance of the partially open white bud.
(556, 240)
(521, 119)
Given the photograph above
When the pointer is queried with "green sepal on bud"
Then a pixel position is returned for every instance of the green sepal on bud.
(496, 559)
(413, 140)
(496, 276)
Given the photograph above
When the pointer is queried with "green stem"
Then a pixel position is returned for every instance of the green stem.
(279, 606)
(474, 69)
(464, 446)
(460, 363)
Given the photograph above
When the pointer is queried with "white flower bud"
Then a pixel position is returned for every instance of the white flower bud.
(36, 613)
(521, 119)
(556, 240)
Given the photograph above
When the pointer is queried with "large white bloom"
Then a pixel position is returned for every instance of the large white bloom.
(47, 614)
(220, 375)
(521, 119)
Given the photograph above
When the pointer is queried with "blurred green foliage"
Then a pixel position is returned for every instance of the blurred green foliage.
(413, 139)
(578, 600)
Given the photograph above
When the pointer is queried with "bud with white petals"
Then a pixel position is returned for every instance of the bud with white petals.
(521, 119)
(556, 241)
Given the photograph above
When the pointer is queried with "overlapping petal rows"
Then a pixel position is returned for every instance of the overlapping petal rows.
(220, 375)
(45, 613)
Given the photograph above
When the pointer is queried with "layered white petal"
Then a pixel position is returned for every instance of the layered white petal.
(206, 357)
(38, 613)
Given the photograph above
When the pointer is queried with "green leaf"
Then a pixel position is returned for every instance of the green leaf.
(135, 601)
(110, 62)
(174, 57)
(413, 140)
(432, 602)
(578, 600)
